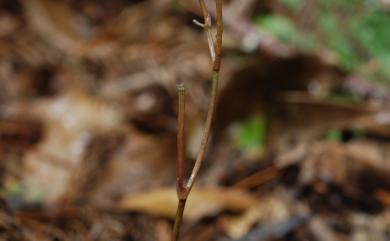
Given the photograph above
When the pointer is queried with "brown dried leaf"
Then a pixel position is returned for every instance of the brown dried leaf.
(202, 202)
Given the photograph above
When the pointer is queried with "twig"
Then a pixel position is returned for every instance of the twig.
(207, 27)
(206, 133)
(178, 219)
(215, 47)
(181, 142)
(218, 49)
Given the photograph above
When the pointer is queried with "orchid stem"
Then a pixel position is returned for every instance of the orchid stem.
(215, 48)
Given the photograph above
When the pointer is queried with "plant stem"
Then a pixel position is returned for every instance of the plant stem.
(215, 47)
(218, 43)
(206, 132)
(178, 219)
(207, 27)
(183, 192)
(181, 142)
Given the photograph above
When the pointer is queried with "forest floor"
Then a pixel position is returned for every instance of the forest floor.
(300, 148)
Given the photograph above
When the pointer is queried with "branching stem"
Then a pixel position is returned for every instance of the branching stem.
(215, 48)
(207, 27)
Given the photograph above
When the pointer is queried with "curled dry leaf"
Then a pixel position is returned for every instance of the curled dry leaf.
(203, 201)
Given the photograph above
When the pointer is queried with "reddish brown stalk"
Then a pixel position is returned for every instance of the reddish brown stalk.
(181, 142)
(207, 28)
(206, 133)
(203, 9)
(214, 91)
(178, 219)
(218, 44)
(215, 47)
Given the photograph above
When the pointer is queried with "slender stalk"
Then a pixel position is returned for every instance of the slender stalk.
(181, 142)
(206, 132)
(214, 90)
(207, 27)
(215, 47)
(218, 44)
(178, 219)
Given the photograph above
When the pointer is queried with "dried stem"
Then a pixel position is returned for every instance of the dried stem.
(181, 142)
(207, 27)
(215, 47)
(206, 133)
(218, 44)
(178, 219)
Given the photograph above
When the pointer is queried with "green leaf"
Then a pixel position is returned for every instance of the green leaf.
(252, 133)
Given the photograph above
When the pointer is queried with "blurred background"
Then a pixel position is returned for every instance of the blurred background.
(300, 148)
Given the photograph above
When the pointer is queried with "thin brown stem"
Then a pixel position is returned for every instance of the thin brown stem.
(206, 132)
(178, 219)
(218, 44)
(215, 47)
(214, 91)
(203, 8)
(181, 142)
(207, 27)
